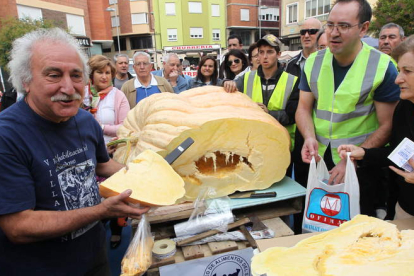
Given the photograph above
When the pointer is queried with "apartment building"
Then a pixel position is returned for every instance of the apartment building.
(131, 26)
(196, 25)
(86, 20)
(295, 12)
(252, 19)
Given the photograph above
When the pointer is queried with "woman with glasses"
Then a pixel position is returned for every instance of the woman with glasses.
(254, 61)
(235, 61)
(402, 127)
(207, 73)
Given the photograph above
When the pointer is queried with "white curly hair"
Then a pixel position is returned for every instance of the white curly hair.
(22, 52)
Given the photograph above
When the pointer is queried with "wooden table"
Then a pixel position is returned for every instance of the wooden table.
(268, 211)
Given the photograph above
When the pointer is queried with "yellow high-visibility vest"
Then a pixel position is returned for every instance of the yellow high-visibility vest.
(347, 115)
(279, 97)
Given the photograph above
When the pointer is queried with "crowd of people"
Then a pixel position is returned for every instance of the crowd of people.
(338, 95)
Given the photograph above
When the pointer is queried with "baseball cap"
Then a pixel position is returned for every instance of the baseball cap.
(270, 40)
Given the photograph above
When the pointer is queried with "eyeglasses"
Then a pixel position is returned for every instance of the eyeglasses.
(142, 63)
(310, 31)
(236, 60)
(342, 28)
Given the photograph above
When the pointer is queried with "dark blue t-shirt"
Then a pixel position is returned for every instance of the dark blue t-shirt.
(387, 91)
(50, 166)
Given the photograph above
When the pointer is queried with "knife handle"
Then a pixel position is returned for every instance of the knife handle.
(261, 195)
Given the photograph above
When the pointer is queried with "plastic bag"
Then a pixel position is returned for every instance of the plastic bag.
(208, 214)
(138, 257)
(328, 206)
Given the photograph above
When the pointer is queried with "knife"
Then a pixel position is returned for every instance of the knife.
(253, 195)
(172, 156)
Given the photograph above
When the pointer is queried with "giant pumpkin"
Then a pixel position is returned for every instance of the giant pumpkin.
(360, 247)
(237, 145)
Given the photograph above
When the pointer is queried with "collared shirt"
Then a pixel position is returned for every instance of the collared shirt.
(301, 61)
(146, 91)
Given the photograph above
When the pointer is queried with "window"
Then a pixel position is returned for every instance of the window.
(215, 10)
(269, 14)
(76, 24)
(172, 34)
(292, 13)
(317, 7)
(216, 34)
(170, 8)
(32, 13)
(139, 18)
(196, 32)
(111, 2)
(244, 15)
(122, 43)
(115, 21)
(195, 7)
(140, 42)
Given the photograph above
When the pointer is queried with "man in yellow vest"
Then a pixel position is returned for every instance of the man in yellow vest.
(274, 90)
(347, 94)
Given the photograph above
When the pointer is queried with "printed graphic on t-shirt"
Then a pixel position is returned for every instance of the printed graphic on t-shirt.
(79, 189)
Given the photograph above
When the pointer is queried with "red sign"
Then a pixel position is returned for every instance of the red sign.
(331, 204)
(190, 73)
(326, 220)
(192, 47)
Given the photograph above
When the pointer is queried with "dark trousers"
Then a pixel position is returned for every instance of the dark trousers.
(100, 265)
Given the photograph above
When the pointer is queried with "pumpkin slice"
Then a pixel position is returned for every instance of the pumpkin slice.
(362, 246)
(152, 180)
(237, 146)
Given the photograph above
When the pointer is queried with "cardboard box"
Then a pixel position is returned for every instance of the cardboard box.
(290, 241)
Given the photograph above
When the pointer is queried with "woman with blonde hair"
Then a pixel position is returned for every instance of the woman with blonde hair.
(108, 104)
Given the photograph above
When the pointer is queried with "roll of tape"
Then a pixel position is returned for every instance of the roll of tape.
(163, 249)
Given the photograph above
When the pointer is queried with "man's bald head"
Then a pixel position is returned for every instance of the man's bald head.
(308, 34)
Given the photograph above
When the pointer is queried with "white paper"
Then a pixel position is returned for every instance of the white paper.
(402, 153)
(230, 263)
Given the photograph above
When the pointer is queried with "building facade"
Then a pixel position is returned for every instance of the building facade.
(83, 19)
(189, 23)
(295, 12)
(131, 26)
(252, 19)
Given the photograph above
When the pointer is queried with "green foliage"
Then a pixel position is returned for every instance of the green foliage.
(400, 12)
(12, 28)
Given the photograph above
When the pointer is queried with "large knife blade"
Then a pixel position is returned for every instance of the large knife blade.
(252, 195)
(172, 156)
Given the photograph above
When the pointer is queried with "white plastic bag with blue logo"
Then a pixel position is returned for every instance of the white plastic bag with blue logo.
(328, 206)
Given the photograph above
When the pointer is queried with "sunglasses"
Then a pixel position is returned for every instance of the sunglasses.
(310, 31)
(236, 60)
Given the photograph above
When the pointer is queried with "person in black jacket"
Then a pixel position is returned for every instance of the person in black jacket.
(9, 97)
(402, 127)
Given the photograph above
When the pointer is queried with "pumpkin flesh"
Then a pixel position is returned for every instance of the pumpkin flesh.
(152, 180)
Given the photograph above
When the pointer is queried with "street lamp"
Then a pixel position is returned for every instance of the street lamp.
(260, 7)
(117, 24)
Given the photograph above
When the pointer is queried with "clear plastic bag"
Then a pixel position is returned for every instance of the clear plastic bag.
(209, 213)
(138, 257)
